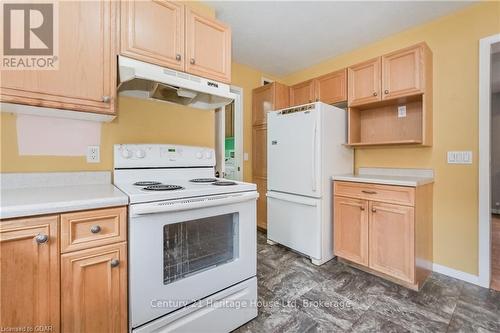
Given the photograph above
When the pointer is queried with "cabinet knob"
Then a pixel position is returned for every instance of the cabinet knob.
(106, 99)
(361, 207)
(317, 99)
(374, 210)
(192, 61)
(41, 238)
(374, 93)
(386, 91)
(178, 57)
(95, 229)
(115, 263)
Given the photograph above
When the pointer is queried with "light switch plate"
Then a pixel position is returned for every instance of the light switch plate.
(460, 157)
(401, 111)
(93, 154)
(245, 156)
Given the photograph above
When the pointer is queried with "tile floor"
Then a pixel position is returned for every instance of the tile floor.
(296, 296)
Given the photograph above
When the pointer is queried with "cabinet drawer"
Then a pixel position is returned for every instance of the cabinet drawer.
(385, 193)
(82, 230)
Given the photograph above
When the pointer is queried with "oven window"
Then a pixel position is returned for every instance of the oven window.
(192, 246)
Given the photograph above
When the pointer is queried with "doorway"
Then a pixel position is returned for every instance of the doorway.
(229, 137)
(489, 162)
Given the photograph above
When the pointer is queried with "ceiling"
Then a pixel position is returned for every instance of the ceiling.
(281, 37)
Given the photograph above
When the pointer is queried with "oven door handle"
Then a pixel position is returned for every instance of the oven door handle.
(192, 203)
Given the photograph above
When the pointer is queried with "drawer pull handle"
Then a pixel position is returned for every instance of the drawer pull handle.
(369, 192)
(41, 239)
(374, 210)
(95, 229)
(115, 263)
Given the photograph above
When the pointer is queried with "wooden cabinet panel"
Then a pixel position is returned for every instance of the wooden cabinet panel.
(259, 148)
(364, 82)
(392, 240)
(30, 273)
(86, 78)
(272, 96)
(153, 31)
(94, 289)
(81, 230)
(208, 47)
(388, 193)
(402, 73)
(351, 229)
(261, 202)
(331, 88)
(302, 93)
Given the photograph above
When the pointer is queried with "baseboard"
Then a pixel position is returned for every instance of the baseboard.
(454, 273)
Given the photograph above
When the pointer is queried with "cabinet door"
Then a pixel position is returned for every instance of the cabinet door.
(259, 148)
(261, 202)
(86, 78)
(403, 73)
(153, 31)
(332, 88)
(208, 47)
(391, 240)
(262, 102)
(350, 229)
(29, 262)
(94, 289)
(302, 93)
(364, 82)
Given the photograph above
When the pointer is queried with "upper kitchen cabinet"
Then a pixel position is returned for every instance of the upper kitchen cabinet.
(272, 96)
(86, 78)
(331, 88)
(403, 72)
(153, 31)
(208, 47)
(364, 82)
(302, 93)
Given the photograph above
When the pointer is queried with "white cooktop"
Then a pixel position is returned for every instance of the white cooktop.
(137, 194)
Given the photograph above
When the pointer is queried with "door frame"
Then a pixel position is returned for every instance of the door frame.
(220, 128)
(484, 251)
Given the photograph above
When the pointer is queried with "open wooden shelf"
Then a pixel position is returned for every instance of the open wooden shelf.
(384, 143)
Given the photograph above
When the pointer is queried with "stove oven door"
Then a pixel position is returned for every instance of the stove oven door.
(184, 250)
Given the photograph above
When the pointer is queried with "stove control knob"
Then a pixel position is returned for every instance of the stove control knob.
(208, 155)
(199, 155)
(126, 153)
(140, 153)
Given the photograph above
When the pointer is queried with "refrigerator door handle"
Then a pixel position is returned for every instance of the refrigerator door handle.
(298, 200)
(314, 156)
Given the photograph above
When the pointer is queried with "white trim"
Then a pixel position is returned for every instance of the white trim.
(54, 113)
(265, 79)
(484, 217)
(467, 277)
(238, 130)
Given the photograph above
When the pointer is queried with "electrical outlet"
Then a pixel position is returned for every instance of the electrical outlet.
(93, 154)
(402, 111)
(245, 156)
(459, 157)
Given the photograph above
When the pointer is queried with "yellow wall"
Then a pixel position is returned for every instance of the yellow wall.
(138, 121)
(454, 42)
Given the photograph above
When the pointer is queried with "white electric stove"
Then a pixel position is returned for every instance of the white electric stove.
(192, 240)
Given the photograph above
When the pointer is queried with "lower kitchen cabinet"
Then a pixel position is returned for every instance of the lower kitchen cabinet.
(385, 229)
(80, 291)
(29, 267)
(94, 289)
(261, 202)
(351, 229)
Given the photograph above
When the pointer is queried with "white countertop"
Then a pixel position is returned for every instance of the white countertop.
(24, 200)
(400, 177)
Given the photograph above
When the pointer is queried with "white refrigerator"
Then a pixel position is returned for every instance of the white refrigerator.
(305, 148)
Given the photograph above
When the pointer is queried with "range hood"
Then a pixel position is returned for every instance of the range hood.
(143, 80)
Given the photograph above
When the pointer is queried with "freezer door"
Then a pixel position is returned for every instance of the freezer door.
(293, 153)
(295, 222)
